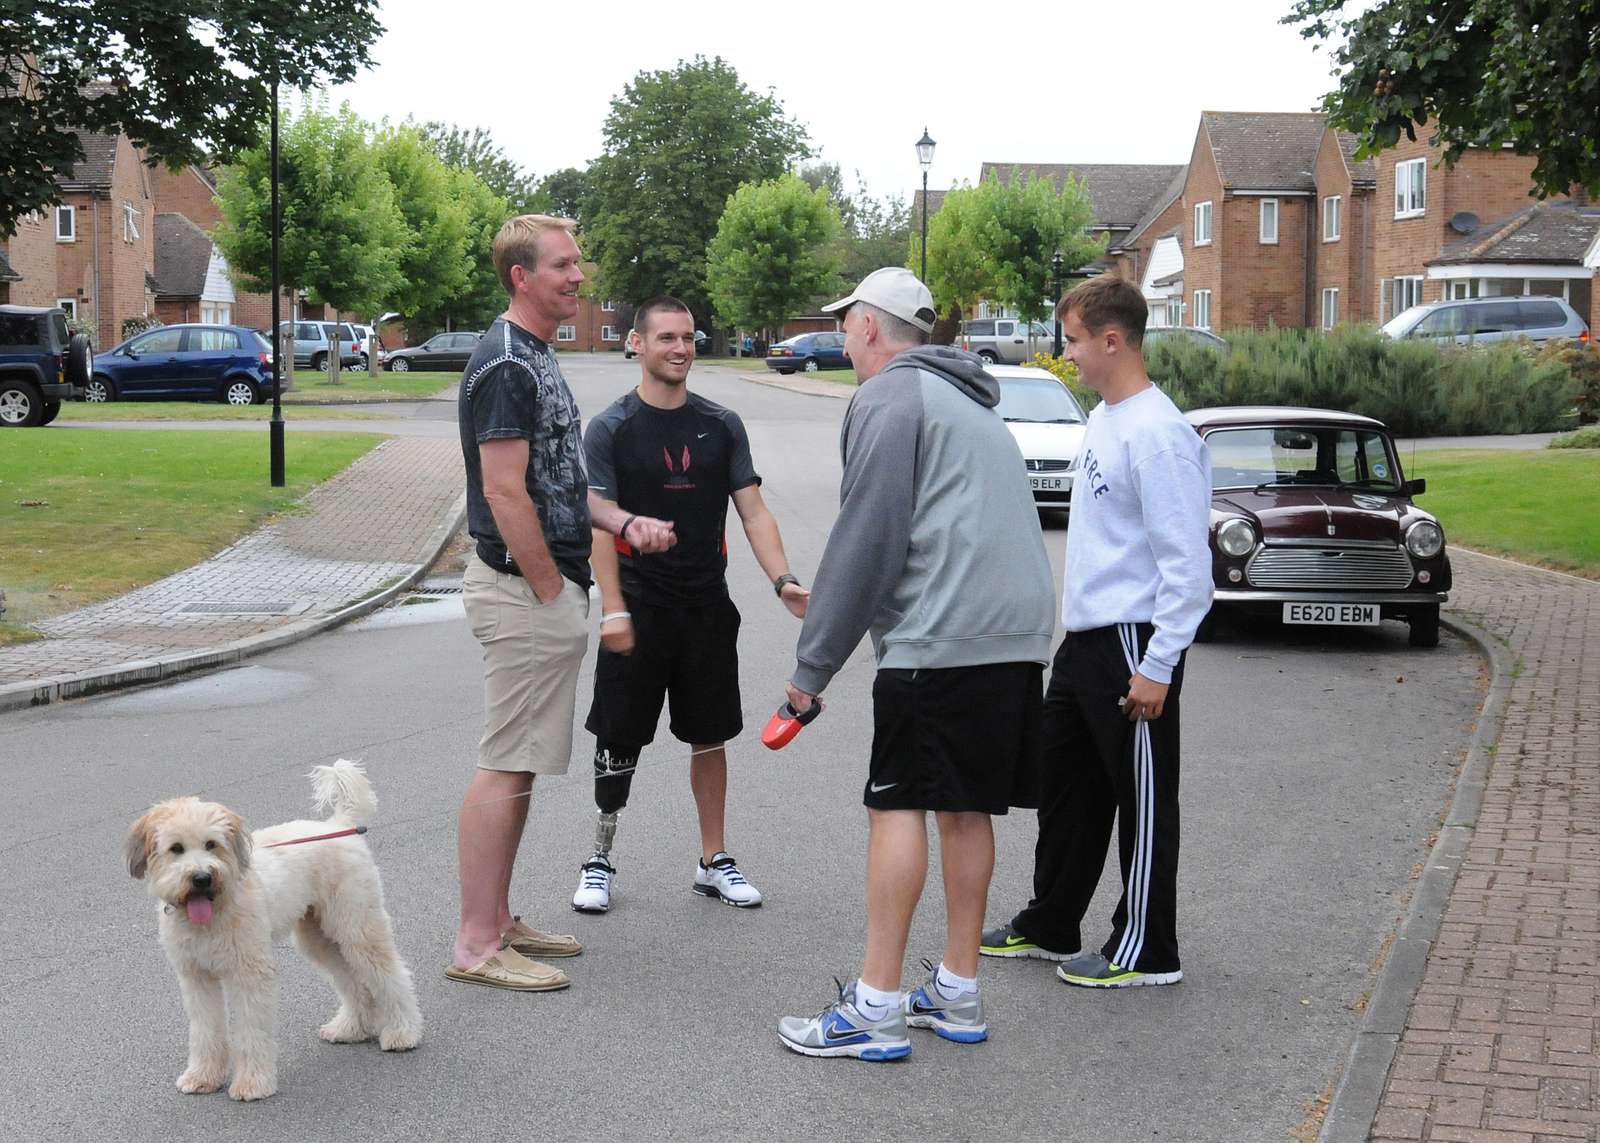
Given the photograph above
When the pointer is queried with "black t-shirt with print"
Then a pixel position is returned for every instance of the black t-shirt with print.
(513, 388)
(675, 464)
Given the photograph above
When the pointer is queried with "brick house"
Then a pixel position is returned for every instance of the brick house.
(104, 234)
(599, 325)
(1549, 248)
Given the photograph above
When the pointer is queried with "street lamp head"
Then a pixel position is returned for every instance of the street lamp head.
(1055, 263)
(925, 147)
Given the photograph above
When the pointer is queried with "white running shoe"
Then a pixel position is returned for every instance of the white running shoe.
(722, 881)
(594, 885)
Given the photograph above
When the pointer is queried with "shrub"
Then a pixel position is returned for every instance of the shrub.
(137, 325)
(1584, 364)
(1586, 437)
(1067, 373)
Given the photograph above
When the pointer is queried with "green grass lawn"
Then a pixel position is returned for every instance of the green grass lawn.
(844, 376)
(122, 509)
(207, 411)
(1541, 506)
(354, 385)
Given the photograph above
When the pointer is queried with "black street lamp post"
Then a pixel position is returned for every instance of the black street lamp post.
(275, 428)
(1055, 265)
(925, 147)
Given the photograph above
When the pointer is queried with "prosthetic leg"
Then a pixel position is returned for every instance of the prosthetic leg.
(613, 778)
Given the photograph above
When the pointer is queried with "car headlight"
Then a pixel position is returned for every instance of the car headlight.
(1424, 539)
(1236, 538)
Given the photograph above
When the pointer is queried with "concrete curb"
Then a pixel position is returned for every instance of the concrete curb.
(1360, 1088)
(39, 692)
(778, 381)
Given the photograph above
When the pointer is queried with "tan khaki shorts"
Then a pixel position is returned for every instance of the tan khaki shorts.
(531, 655)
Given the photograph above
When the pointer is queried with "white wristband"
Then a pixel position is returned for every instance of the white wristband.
(610, 615)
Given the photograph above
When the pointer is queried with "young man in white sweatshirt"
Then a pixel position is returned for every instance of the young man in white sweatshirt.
(1137, 584)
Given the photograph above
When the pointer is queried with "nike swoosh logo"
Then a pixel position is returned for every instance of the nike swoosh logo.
(919, 1009)
(1012, 941)
(833, 1033)
(701, 436)
(877, 789)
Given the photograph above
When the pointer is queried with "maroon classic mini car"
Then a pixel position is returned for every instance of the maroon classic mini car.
(1312, 521)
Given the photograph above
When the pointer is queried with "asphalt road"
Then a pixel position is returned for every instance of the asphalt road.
(1315, 770)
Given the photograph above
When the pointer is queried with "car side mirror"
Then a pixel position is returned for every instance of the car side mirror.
(130, 353)
(1416, 487)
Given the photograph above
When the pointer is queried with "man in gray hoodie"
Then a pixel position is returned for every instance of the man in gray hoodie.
(937, 551)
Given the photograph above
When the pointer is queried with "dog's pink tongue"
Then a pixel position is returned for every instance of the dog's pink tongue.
(199, 910)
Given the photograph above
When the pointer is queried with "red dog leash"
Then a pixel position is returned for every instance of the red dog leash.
(318, 837)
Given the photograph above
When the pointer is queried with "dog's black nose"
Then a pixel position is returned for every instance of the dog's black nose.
(202, 881)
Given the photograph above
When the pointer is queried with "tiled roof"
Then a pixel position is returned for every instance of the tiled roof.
(183, 256)
(94, 173)
(1121, 192)
(935, 201)
(1265, 150)
(1173, 190)
(1361, 171)
(1551, 232)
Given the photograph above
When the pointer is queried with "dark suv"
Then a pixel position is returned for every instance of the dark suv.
(42, 363)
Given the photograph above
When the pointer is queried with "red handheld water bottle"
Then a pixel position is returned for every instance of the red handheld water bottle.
(787, 723)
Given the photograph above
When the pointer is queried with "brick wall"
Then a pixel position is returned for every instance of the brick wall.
(32, 254)
(123, 262)
(1262, 283)
(1336, 264)
(1132, 265)
(1202, 265)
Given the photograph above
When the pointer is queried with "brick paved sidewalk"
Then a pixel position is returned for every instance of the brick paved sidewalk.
(1502, 1042)
(377, 523)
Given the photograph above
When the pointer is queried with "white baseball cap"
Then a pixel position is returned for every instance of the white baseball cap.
(894, 290)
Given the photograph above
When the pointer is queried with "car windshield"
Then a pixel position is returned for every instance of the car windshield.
(1042, 401)
(1402, 321)
(1281, 456)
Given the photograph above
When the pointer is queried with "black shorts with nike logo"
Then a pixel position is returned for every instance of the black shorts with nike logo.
(957, 739)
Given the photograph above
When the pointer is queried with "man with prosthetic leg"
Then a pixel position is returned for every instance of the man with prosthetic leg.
(669, 632)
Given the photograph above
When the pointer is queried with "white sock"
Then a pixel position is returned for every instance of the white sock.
(874, 1003)
(952, 987)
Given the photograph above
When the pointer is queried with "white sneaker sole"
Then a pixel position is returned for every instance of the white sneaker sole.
(875, 1052)
(1031, 954)
(715, 894)
(1142, 980)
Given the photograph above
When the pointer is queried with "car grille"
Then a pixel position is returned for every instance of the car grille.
(1049, 465)
(1330, 568)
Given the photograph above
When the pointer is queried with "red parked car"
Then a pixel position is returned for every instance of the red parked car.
(1312, 521)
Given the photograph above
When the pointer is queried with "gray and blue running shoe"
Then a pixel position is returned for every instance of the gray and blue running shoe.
(959, 1020)
(841, 1030)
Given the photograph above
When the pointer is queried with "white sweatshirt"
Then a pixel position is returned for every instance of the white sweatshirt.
(1137, 544)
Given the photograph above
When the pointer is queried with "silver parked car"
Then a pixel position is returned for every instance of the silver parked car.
(1461, 320)
(1010, 340)
(313, 341)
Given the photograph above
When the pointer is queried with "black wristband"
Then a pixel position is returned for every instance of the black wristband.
(622, 532)
(785, 578)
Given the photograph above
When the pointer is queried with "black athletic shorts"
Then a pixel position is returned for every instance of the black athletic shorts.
(687, 654)
(962, 739)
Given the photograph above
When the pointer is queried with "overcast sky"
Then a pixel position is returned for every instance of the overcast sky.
(1025, 81)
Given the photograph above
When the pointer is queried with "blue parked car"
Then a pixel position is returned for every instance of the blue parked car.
(809, 351)
(186, 362)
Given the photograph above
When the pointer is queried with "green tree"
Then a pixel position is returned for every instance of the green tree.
(1025, 224)
(433, 264)
(875, 231)
(481, 296)
(562, 193)
(343, 237)
(773, 254)
(1486, 73)
(960, 273)
(475, 150)
(677, 144)
(190, 80)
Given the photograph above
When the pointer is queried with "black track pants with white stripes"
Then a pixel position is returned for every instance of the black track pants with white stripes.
(1098, 767)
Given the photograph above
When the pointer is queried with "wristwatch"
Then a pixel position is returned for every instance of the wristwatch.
(785, 578)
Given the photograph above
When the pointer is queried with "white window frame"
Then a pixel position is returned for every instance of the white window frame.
(130, 223)
(1272, 239)
(1411, 286)
(70, 305)
(1411, 190)
(566, 333)
(609, 333)
(1333, 212)
(1202, 234)
(1174, 311)
(1202, 309)
(1330, 307)
(608, 307)
(69, 212)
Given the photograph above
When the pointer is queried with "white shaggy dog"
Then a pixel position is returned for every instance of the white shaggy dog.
(226, 897)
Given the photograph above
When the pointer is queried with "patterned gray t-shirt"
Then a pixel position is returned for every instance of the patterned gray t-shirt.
(513, 388)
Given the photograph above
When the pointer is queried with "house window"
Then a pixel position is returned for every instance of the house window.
(1202, 309)
(1269, 221)
(1410, 188)
(218, 313)
(1330, 308)
(130, 223)
(609, 307)
(566, 333)
(70, 305)
(66, 224)
(1202, 223)
(1174, 310)
(1407, 293)
(609, 333)
(1332, 218)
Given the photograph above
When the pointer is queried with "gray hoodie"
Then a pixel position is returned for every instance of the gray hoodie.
(936, 549)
